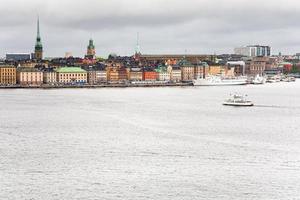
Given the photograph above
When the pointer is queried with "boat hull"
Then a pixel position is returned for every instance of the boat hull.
(221, 83)
(238, 104)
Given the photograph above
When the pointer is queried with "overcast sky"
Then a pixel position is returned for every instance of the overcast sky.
(164, 26)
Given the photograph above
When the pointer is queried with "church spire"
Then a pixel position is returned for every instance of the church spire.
(91, 52)
(137, 47)
(38, 49)
(38, 27)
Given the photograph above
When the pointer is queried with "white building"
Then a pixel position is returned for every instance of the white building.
(176, 74)
(253, 51)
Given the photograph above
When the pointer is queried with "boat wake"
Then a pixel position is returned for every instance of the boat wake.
(273, 106)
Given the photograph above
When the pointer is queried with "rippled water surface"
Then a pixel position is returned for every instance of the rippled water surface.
(150, 143)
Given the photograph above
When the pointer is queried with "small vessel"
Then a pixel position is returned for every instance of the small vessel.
(274, 79)
(237, 100)
(219, 81)
(289, 79)
(259, 80)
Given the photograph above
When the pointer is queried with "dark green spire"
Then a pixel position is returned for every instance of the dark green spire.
(38, 43)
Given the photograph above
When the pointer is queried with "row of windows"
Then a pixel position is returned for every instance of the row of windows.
(8, 74)
(8, 70)
(72, 75)
(257, 68)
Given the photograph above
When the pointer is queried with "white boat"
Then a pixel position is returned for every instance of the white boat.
(218, 81)
(274, 79)
(238, 100)
(259, 80)
(289, 79)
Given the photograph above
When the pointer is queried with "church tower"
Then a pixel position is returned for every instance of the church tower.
(91, 52)
(38, 49)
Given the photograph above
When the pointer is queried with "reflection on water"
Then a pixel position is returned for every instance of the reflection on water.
(150, 143)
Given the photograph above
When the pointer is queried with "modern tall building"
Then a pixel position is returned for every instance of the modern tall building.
(253, 51)
(91, 52)
(38, 49)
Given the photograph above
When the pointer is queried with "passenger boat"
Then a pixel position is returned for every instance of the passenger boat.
(238, 100)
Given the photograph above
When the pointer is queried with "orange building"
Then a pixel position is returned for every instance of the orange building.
(150, 76)
(215, 70)
(116, 72)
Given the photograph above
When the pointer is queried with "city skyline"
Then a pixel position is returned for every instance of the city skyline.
(203, 27)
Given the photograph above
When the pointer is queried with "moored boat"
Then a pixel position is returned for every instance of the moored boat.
(289, 79)
(219, 81)
(259, 80)
(274, 79)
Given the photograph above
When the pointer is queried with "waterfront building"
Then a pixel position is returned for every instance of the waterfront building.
(135, 74)
(187, 70)
(101, 76)
(29, 76)
(163, 73)
(257, 65)
(286, 66)
(96, 75)
(8, 75)
(92, 77)
(15, 57)
(38, 49)
(116, 72)
(49, 76)
(200, 70)
(215, 70)
(91, 52)
(253, 51)
(273, 62)
(71, 75)
(238, 66)
(175, 74)
(150, 75)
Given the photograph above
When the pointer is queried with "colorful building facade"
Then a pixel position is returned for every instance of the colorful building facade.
(8, 75)
(116, 72)
(29, 77)
(69, 75)
(150, 76)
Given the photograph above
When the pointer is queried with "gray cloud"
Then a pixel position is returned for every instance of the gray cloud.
(170, 26)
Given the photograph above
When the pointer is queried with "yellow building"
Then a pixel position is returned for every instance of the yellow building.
(69, 75)
(215, 70)
(8, 75)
